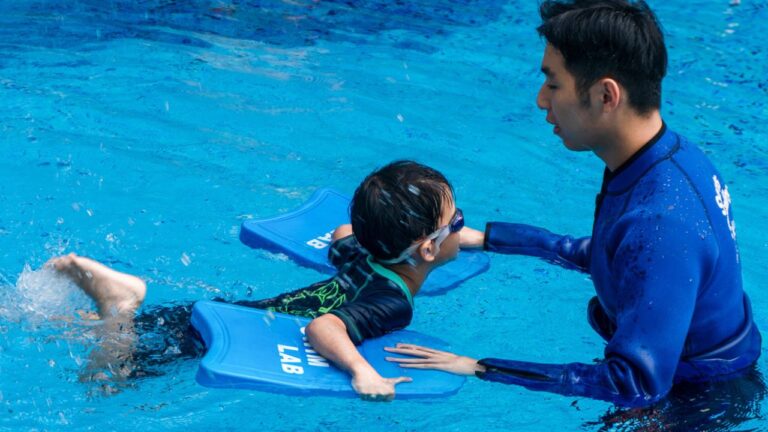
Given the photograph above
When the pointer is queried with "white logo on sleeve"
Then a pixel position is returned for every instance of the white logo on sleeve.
(723, 199)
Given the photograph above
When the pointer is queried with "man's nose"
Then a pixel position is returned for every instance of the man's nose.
(542, 99)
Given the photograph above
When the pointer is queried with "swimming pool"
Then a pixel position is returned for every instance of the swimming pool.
(144, 133)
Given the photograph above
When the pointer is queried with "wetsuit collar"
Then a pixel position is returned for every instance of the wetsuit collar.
(659, 148)
(394, 277)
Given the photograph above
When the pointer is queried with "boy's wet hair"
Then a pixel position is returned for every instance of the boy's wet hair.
(619, 39)
(397, 205)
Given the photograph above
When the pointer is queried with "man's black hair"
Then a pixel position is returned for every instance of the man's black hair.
(618, 39)
(397, 205)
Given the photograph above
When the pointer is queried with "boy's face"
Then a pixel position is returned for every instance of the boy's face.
(449, 248)
(439, 246)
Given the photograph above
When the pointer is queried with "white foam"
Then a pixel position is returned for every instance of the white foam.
(40, 295)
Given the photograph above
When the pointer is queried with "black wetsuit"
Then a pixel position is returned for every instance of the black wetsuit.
(370, 299)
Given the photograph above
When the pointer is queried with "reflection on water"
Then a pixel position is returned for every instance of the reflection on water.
(281, 23)
(717, 406)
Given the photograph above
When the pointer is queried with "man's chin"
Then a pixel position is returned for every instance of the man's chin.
(573, 147)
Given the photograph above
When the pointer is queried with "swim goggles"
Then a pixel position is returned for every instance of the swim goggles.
(454, 226)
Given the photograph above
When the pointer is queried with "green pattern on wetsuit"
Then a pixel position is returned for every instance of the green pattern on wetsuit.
(311, 302)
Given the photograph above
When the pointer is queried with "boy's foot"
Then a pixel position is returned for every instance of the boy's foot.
(115, 293)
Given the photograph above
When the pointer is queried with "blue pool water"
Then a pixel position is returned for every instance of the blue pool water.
(143, 133)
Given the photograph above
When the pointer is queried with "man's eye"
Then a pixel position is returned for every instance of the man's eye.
(551, 86)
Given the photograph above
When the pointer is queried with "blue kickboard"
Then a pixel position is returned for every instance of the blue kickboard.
(305, 235)
(254, 349)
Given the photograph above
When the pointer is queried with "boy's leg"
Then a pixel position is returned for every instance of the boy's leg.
(115, 293)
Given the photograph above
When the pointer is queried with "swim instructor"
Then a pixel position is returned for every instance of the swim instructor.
(662, 254)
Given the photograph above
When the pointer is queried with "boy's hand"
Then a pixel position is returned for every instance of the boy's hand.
(470, 238)
(373, 387)
(328, 335)
(428, 358)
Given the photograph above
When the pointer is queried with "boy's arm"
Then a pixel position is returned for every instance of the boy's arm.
(328, 336)
(342, 231)
(344, 246)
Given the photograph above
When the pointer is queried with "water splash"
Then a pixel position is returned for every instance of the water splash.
(39, 296)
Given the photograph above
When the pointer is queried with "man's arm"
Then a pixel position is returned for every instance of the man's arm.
(656, 281)
(471, 238)
(656, 270)
(638, 369)
(509, 238)
(328, 336)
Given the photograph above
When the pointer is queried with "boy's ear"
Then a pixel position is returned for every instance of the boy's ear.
(427, 251)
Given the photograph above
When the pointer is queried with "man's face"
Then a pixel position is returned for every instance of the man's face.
(574, 122)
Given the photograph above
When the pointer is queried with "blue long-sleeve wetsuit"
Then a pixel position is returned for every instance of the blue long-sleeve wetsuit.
(666, 270)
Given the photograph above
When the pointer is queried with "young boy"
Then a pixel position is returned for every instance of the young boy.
(405, 224)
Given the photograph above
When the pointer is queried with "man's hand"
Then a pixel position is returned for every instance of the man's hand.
(470, 238)
(428, 358)
(373, 387)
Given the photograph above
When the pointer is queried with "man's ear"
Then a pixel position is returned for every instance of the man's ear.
(609, 93)
(427, 251)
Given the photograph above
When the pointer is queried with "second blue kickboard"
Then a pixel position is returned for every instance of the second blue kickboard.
(259, 350)
(305, 235)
